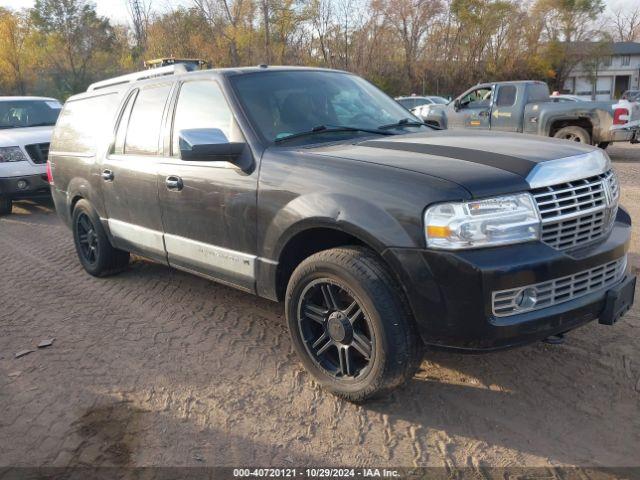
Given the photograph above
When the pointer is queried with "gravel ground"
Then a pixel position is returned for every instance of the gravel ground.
(156, 367)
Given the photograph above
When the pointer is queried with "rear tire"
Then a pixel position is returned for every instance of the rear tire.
(350, 324)
(574, 134)
(98, 257)
(6, 206)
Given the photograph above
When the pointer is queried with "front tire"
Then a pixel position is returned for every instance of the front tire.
(6, 206)
(574, 134)
(98, 257)
(349, 324)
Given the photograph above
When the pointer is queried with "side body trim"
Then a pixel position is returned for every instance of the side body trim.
(210, 257)
(143, 237)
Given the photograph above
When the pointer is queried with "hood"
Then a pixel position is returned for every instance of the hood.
(25, 136)
(483, 163)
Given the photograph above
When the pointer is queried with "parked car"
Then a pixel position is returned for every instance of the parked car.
(26, 124)
(377, 232)
(567, 98)
(631, 95)
(526, 107)
(414, 101)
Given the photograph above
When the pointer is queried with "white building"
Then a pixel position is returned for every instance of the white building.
(614, 75)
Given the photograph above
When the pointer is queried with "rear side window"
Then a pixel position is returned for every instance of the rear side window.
(83, 123)
(506, 96)
(143, 132)
(537, 92)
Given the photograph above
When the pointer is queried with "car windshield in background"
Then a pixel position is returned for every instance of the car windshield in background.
(28, 113)
(439, 100)
(285, 104)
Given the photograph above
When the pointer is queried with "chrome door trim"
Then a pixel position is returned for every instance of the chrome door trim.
(145, 238)
(210, 257)
(569, 169)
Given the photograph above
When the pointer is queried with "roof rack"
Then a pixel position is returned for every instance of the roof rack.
(175, 69)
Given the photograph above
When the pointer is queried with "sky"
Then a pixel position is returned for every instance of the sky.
(114, 9)
(117, 10)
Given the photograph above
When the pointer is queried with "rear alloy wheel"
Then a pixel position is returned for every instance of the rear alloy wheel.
(6, 206)
(96, 254)
(349, 323)
(574, 134)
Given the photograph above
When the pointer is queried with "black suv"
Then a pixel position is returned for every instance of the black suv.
(313, 187)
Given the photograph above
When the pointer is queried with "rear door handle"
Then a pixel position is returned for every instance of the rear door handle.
(107, 175)
(174, 183)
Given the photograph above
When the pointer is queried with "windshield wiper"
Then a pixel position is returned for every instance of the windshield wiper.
(404, 122)
(43, 124)
(332, 128)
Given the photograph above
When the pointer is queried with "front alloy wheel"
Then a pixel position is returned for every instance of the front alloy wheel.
(349, 323)
(336, 332)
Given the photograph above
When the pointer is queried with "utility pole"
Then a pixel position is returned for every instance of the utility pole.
(138, 16)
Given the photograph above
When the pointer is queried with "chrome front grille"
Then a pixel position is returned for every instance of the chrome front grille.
(577, 212)
(558, 290)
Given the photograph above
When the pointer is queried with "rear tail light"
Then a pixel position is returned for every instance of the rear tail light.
(49, 173)
(620, 116)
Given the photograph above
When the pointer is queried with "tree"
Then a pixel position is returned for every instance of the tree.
(76, 43)
(626, 24)
(15, 67)
(568, 32)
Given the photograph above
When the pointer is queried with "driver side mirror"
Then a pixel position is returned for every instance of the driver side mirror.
(207, 145)
(456, 104)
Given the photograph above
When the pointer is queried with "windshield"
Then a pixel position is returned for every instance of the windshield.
(28, 113)
(283, 103)
(439, 100)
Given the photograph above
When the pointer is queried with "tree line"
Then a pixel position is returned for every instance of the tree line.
(58, 47)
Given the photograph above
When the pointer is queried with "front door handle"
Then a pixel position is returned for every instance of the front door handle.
(483, 113)
(174, 183)
(107, 175)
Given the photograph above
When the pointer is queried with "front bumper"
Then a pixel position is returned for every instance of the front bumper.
(26, 186)
(450, 293)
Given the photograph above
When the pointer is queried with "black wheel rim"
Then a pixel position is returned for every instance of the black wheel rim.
(87, 238)
(335, 330)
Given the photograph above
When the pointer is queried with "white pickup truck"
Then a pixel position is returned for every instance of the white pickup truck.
(26, 124)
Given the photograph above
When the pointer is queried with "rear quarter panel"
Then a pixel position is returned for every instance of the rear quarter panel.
(74, 156)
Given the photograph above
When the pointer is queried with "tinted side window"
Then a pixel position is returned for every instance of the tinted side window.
(538, 92)
(84, 122)
(478, 98)
(506, 96)
(143, 132)
(201, 104)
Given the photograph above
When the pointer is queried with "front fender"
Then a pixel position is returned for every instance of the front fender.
(369, 223)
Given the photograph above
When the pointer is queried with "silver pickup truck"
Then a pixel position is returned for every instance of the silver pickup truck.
(525, 107)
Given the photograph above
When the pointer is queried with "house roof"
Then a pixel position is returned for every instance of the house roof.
(626, 48)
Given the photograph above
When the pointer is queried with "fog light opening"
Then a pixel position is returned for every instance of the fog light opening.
(526, 299)
(22, 184)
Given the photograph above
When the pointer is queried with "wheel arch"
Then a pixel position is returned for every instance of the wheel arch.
(309, 237)
(557, 123)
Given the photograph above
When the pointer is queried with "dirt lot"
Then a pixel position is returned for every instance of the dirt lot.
(156, 367)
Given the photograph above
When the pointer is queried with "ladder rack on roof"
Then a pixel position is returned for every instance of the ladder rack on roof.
(175, 69)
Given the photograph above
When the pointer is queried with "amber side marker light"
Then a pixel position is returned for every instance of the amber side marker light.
(434, 231)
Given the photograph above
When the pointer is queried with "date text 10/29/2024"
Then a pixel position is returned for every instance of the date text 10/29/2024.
(316, 473)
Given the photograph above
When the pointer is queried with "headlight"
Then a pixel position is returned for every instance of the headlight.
(11, 154)
(482, 223)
